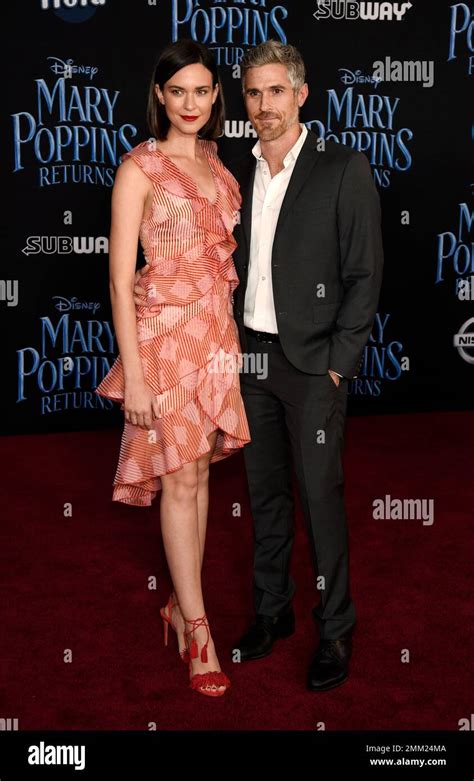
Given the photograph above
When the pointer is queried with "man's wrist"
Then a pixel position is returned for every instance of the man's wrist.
(333, 376)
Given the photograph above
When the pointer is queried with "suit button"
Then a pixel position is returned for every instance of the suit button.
(245, 265)
(239, 312)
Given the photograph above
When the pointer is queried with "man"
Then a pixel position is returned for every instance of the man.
(309, 260)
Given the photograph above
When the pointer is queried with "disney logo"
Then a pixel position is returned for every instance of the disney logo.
(357, 77)
(66, 304)
(67, 68)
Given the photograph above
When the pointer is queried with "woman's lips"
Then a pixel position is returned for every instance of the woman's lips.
(189, 119)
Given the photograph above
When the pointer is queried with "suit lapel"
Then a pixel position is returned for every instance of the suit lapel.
(247, 199)
(307, 159)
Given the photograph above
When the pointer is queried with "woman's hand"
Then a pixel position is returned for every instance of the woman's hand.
(140, 405)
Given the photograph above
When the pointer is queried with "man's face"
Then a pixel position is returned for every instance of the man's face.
(272, 103)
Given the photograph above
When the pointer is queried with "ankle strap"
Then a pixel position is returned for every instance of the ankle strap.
(195, 624)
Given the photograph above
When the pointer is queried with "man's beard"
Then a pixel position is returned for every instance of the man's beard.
(272, 133)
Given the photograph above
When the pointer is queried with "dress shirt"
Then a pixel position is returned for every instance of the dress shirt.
(268, 195)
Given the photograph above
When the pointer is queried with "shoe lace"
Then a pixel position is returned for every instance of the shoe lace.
(193, 649)
(328, 649)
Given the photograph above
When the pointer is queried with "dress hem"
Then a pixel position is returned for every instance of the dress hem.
(220, 456)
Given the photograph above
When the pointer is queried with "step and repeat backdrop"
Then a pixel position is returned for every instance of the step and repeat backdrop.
(392, 79)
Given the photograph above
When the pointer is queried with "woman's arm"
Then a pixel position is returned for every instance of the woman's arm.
(129, 196)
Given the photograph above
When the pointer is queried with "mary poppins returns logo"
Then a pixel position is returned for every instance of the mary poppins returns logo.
(70, 132)
(227, 27)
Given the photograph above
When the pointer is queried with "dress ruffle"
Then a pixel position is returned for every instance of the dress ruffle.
(188, 340)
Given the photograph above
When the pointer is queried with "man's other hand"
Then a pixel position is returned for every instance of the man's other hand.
(139, 295)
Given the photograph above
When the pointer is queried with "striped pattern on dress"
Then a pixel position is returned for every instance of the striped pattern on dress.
(188, 339)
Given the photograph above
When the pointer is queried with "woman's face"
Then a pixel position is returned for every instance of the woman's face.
(188, 97)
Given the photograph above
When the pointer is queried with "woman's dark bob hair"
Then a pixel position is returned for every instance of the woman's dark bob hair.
(176, 56)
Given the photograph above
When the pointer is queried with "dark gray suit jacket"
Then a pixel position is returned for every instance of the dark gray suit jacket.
(328, 233)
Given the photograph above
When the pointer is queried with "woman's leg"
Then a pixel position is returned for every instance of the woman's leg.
(184, 531)
(202, 510)
(203, 491)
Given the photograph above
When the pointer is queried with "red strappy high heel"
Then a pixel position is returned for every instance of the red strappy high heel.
(165, 613)
(200, 681)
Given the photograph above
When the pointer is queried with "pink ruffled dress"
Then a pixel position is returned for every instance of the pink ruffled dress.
(188, 339)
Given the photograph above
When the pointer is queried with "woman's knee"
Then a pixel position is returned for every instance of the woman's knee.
(182, 485)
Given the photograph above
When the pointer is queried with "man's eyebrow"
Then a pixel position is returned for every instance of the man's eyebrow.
(273, 86)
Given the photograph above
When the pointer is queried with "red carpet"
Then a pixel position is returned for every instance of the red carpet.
(79, 585)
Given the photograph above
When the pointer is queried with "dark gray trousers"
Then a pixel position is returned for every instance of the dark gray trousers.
(297, 418)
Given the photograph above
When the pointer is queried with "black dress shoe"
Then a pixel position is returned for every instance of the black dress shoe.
(330, 665)
(258, 641)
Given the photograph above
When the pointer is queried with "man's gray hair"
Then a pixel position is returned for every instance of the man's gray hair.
(276, 53)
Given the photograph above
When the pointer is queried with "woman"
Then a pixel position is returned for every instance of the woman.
(177, 373)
